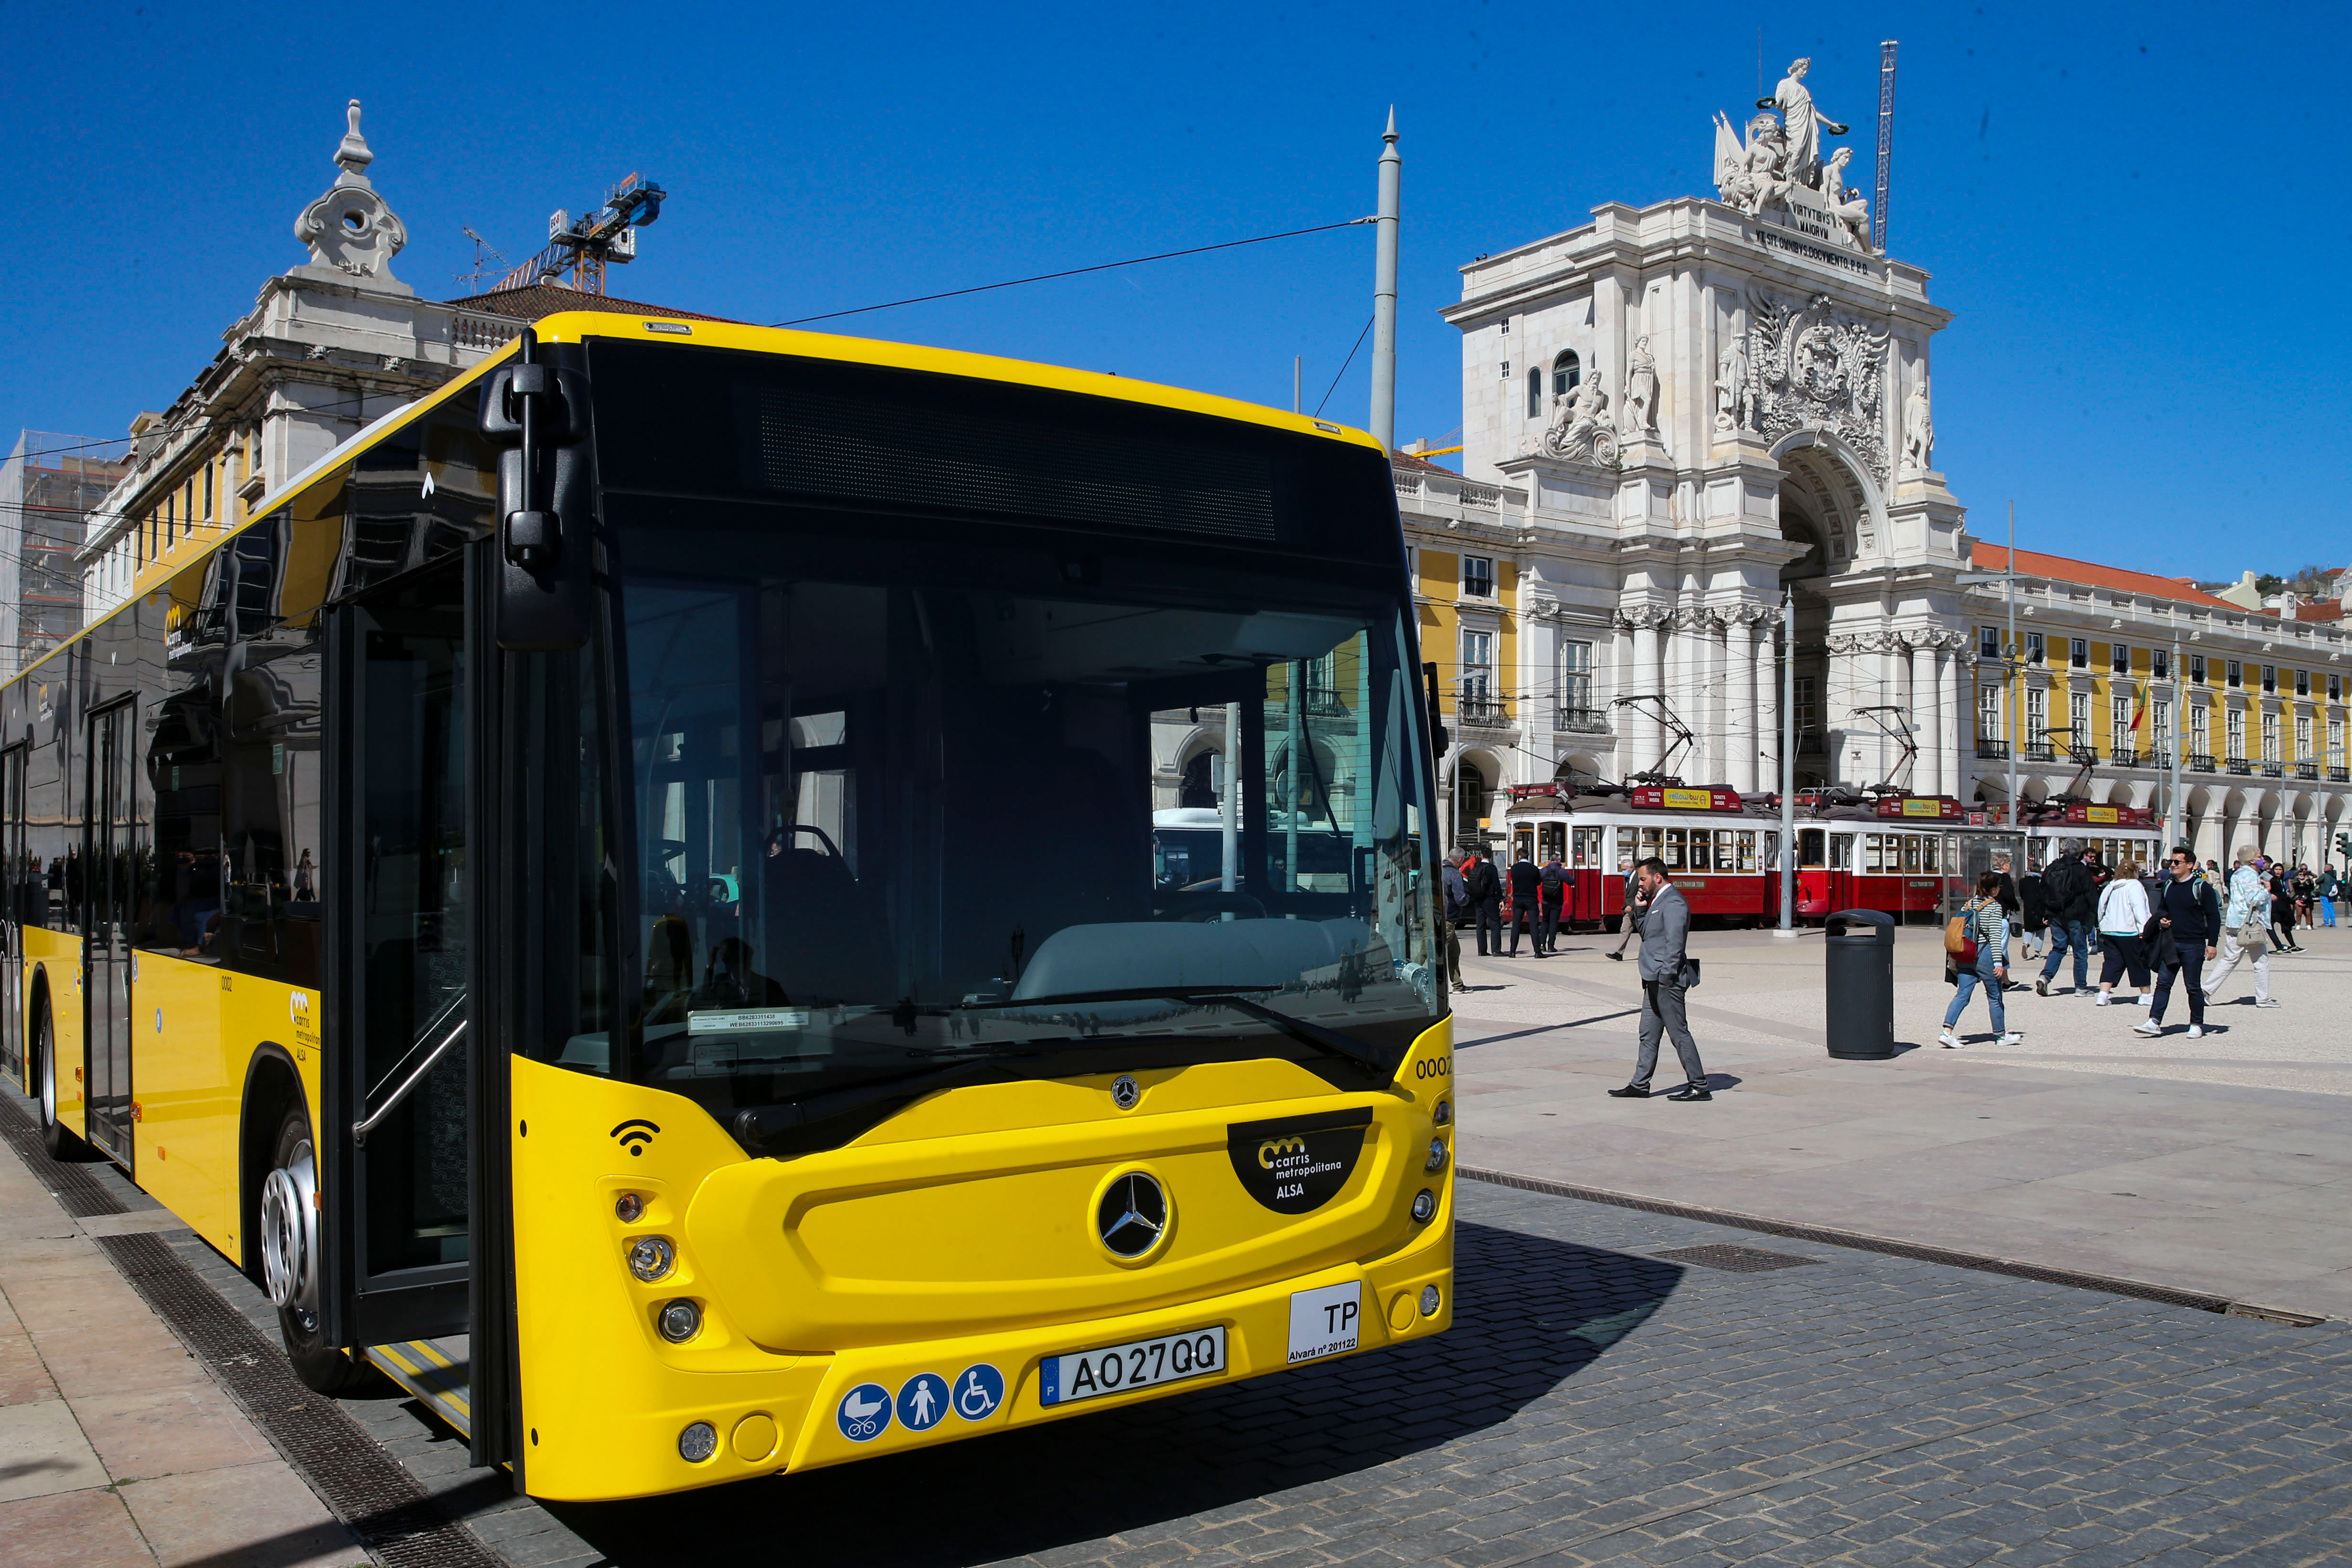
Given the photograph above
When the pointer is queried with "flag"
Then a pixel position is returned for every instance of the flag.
(2139, 711)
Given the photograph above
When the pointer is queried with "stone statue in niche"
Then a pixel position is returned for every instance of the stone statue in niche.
(1579, 431)
(1640, 390)
(1748, 175)
(1733, 400)
(1801, 124)
(1919, 429)
(1850, 209)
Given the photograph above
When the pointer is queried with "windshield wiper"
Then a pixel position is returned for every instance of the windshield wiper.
(761, 1123)
(1315, 1034)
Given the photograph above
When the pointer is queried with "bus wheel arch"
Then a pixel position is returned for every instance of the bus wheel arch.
(58, 1139)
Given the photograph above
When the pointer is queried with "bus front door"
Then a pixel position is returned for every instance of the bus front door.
(396, 1079)
(108, 868)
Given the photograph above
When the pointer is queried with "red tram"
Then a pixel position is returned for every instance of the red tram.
(1904, 855)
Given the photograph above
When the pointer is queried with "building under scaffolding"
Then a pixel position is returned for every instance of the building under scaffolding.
(49, 488)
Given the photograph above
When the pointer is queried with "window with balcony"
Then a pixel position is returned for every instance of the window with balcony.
(2236, 731)
(2034, 652)
(2119, 658)
(1575, 688)
(1478, 577)
(2303, 738)
(1988, 725)
(1478, 703)
(2201, 730)
(2335, 688)
(2159, 726)
(1987, 641)
(2120, 739)
(2078, 722)
(2270, 738)
(2196, 668)
(2237, 674)
(2037, 718)
(2078, 652)
(2270, 678)
(2159, 664)
(2302, 683)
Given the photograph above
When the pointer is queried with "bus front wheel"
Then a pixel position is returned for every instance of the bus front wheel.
(290, 1257)
(56, 1137)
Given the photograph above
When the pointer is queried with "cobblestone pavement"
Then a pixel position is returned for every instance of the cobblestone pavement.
(1596, 1403)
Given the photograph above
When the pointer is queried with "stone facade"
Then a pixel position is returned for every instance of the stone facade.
(1672, 417)
(329, 347)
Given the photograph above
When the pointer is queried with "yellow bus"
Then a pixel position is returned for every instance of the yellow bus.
(626, 897)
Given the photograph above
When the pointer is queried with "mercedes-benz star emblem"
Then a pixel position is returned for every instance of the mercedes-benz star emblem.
(1133, 1215)
(1124, 1093)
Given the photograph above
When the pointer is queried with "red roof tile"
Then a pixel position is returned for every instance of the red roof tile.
(2090, 574)
(1406, 463)
(533, 302)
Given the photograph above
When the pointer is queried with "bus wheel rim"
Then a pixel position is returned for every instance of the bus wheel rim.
(290, 1231)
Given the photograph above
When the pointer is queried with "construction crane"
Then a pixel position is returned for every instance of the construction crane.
(1886, 139)
(581, 246)
(486, 256)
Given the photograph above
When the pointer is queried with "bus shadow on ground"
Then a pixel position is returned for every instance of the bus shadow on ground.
(1533, 1313)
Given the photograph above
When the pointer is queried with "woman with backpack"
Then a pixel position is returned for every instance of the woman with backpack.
(1978, 941)
(2123, 916)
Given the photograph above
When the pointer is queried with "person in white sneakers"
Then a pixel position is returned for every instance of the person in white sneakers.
(2189, 922)
(1988, 924)
(2123, 916)
(2246, 927)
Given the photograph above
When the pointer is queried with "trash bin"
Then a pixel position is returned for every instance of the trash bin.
(1860, 971)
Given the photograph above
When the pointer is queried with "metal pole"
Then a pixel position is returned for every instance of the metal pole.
(1384, 292)
(2012, 675)
(1228, 815)
(2172, 744)
(1788, 762)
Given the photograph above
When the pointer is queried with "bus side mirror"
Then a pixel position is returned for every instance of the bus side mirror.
(535, 411)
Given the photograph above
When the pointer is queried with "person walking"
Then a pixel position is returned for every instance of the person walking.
(1457, 908)
(2244, 928)
(2282, 909)
(2327, 887)
(2188, 922)
(1485, 902)
(1662, 916)
(1987, 927)
(2009, 902)
(2070, 889)
(1552, 905)
(1525, 879)
(2033, 912)
(2124, 913)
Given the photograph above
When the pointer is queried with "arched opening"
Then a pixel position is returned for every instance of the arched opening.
(1566, 372)
(1197, 786)
(1535, 394)
(1470, 788)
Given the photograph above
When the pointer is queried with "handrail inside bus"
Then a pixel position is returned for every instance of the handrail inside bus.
(360, 1129)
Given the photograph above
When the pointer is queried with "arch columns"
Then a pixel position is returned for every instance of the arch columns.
(1926, 716)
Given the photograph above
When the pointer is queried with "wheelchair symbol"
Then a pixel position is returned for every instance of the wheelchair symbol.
(978, 1390)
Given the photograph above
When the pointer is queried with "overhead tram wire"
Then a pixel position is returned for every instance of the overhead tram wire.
(1073, 272)
(1349, 361)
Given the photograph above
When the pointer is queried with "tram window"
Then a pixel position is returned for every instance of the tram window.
(1551, 843)
(1840, 851)
(1678, 848)
(1812, 846)
(1870, 853)
(1523, 844)
(1628, 850)
(1588, 847)
(1654, 842)
(1911, 843)
(1701, 857)
(1771, 851)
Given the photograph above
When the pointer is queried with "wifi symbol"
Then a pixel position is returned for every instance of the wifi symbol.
(635, 1135)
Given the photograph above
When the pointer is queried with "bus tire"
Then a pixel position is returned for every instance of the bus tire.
(58, 1140)
(289, 1249)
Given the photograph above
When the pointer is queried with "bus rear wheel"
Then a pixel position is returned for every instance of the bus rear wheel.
(290, 1257)
(56, 1137)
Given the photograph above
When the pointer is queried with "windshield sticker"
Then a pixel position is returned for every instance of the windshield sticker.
(747, 1021)
(1298, 1164)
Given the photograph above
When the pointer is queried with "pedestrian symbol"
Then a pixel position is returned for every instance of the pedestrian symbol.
(864, 1413)
(923, 1401)
(978, 1390)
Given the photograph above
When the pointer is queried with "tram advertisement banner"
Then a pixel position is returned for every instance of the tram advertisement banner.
(1674, 799)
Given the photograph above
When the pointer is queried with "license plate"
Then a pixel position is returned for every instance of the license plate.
(1139, 1363)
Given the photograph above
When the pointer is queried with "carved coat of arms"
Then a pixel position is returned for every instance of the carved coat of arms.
(1818, 370)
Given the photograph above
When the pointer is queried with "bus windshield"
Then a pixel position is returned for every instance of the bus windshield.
(886, 811)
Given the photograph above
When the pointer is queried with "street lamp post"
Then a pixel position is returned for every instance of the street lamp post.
(1788, 762)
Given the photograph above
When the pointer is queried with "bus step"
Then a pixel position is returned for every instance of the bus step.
(439, 1372)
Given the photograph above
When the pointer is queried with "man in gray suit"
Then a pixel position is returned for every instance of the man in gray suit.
(1662, 916)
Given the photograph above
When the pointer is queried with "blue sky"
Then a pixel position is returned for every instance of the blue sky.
(2126, 208)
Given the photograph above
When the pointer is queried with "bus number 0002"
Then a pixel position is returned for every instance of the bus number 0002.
(1434, 1067)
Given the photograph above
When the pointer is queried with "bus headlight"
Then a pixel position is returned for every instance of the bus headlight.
(651, 1257)
(1443, 1113)
(1436, 1161)
(1429, 1302)
(698, 1442)
(680, 1320)
(627, 1208)
(1424, 1206)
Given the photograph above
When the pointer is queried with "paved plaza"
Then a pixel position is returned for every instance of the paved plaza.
(2220, 1165)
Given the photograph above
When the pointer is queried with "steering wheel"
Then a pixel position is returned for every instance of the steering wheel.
(1208, 905)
